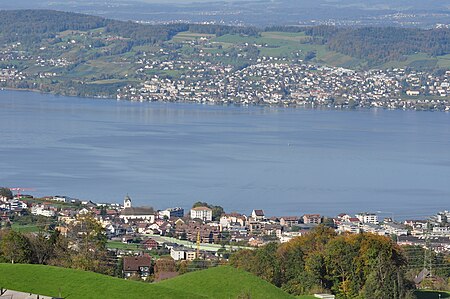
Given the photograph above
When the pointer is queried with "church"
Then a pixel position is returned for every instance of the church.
(130, 214)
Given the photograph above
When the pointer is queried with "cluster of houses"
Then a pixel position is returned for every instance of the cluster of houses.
(432, 233)
(178, 234)
(206, 75)
(11, 73)
(280, 81)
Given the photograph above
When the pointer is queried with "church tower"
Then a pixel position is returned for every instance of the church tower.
(127, 202)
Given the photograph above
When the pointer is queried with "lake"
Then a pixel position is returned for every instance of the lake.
(285, 161)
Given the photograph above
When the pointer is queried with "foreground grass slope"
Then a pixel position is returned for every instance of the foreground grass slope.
(53, 281)
(225, 282)
(220, 282)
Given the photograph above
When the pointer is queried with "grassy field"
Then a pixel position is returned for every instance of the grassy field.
(31, 228)
(225, 282)
(431, 294)
(121, 245)
(220, 282)
(187, 36)
(53, 281)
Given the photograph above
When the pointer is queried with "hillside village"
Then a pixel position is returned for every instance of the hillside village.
(203, 69)
(139, 234)
(276, 81)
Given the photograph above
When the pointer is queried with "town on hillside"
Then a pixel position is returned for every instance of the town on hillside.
(206, 232)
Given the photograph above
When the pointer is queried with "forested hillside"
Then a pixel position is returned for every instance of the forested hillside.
(382, 44)
(376, 44)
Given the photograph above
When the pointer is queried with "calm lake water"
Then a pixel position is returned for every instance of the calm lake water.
(285, 161)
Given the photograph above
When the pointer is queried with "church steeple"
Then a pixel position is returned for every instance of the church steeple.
(127, 202)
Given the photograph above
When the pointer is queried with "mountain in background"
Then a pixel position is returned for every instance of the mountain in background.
(402, 13)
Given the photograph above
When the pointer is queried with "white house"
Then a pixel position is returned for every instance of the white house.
(258, 215)
(203, 213)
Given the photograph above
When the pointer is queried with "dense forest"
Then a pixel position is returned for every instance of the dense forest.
(31, 26)
(377, 44)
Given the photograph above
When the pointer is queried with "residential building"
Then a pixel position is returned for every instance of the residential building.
(233, 219)
(258, 215)
(441, 230)
(172, 213)
(367, 217)
(203, 213)
(149, 244)
(289, 221)
(137, 265)
(312, 219)
(183, 253)
(395, 229)
(42, 211)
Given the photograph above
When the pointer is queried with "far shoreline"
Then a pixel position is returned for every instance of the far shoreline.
(309, 107)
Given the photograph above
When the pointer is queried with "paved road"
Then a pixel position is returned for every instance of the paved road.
(21, 295)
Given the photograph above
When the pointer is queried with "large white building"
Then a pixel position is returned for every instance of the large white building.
(172, 212)
(367, 218)
(203, 213)
(42, 211)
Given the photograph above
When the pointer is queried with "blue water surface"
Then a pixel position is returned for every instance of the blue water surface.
(283, 160)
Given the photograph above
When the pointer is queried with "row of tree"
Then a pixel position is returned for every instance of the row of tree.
(83, 248)
(350, 266)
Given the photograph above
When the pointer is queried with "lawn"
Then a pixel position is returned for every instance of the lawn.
(68, 283)
(187, 36)
(219, 282)
(30, 228)
(225, 282)
(121, 245)
(289, 36)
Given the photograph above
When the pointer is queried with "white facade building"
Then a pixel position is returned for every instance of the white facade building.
(367, 218)
(203, 213)
(42, 211)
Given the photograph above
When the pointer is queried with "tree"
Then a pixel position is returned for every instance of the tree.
(350, 266)
(89, 239)
(6, 192)
(41, 248)
(15, 247)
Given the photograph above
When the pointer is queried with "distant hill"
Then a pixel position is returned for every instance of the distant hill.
(257, 12)
(220, 282)
(89, 56)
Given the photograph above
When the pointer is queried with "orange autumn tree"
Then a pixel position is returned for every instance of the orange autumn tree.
(350, 266)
